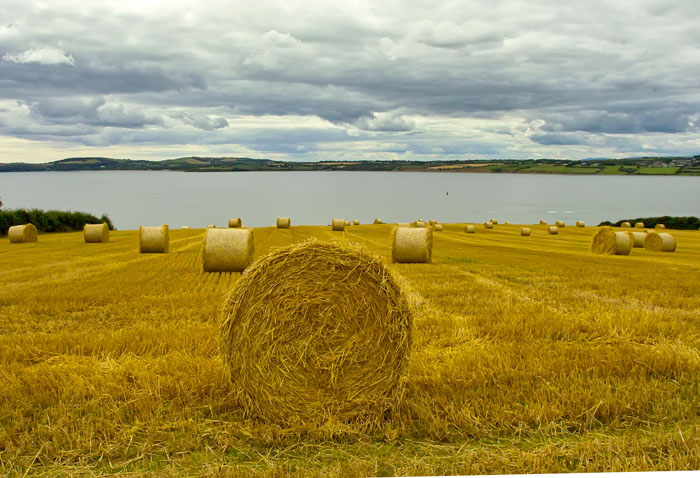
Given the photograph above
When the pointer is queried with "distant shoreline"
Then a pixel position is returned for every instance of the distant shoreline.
(668, 166)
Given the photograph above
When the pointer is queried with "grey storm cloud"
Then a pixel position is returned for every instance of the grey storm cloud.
(475, 78)
(88, 111)
(549, 139)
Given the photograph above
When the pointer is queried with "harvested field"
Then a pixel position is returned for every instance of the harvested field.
(528, 356)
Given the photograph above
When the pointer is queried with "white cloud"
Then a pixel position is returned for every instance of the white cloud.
(390, 121)
(45, 55)
(265, 60)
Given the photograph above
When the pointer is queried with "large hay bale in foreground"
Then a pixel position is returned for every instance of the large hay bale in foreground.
(94, 233)
(235, 222)
(660, 226)
(626, 224)
(378, 221)
(552, 230)
(470, 229)
(227, 250)
(22, 234)
(639, 225)
(608, 241)
(580, 224)
(338, 224)
(412, 244)
(659, 242)
(488, 225)
(637, 238)
(560, 224)
(525, 231)
(284, 223)
(154, 239)
(317, 332)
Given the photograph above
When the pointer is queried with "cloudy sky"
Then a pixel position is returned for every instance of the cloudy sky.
(303, 80)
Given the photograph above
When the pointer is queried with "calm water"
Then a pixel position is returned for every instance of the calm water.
(198, 199)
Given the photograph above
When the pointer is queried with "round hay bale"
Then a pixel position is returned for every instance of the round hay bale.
(637, 238)
(608, 241)
(580, 224)
(552, 230)
(315, 332)
(22, 234)
(660, 226)
(437, 227)
(412, 244)
(469, 229)
(338, 224)
(93, 233)
(227, 250)
(494, 221)
(433, 222)
(525, 231)
(488, 225)
(378, 221)
(419, 223)
(626, 224)
(284, 223)
(356, 222)
(154, 239)
(560, 224)
(235, 222)
(185, 227)
(659, 242)
(347, 223)
(639, 225)
(543, 222)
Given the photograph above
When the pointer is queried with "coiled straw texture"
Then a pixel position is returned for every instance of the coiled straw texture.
(314, 332)
(338, 224)
(227, 250)
(659, 242)
(93, 233)
(23, 233)
(284, 223)
(608, 241)
(637, 238)
(412, 244)
(154, 239)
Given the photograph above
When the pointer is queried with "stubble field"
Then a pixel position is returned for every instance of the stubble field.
(530, 355)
